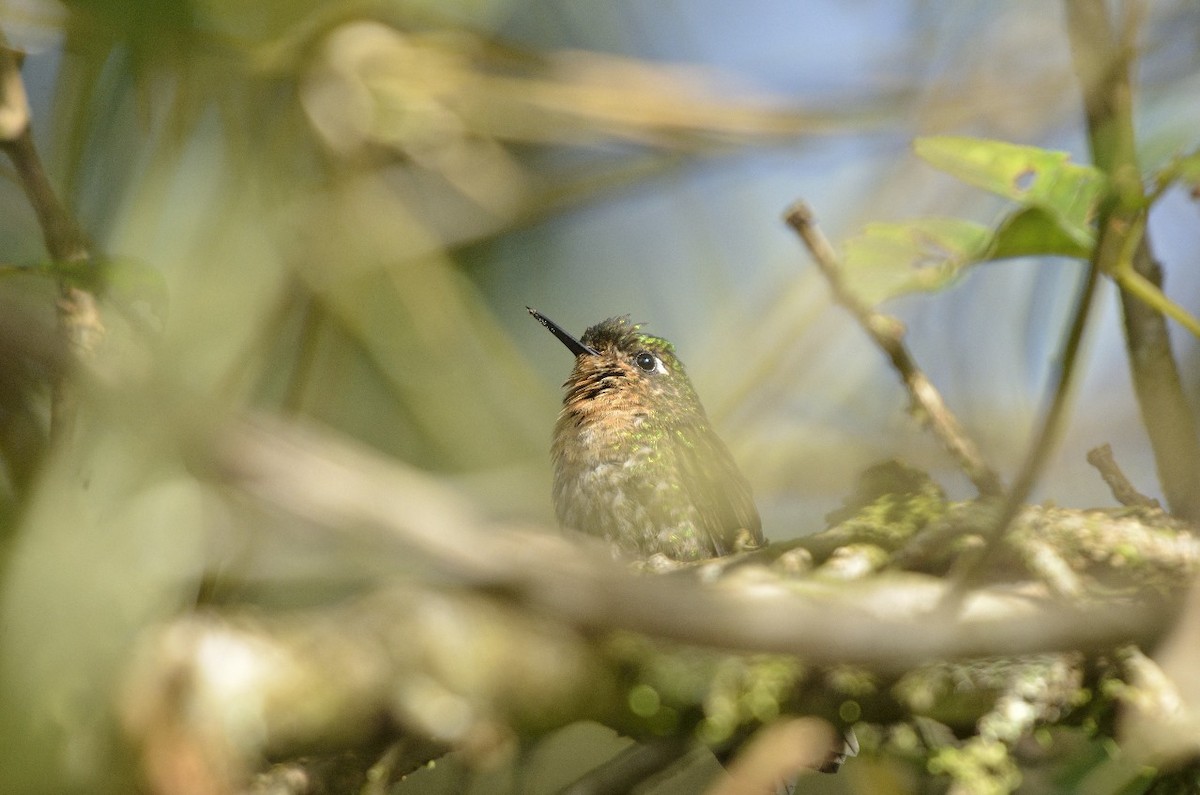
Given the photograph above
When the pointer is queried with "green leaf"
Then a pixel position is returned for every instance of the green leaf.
(135, 285)
(1067, 192)
(1187, 170)
(1033, 232)
(928, 254)
(1058, 201)
(130, 284)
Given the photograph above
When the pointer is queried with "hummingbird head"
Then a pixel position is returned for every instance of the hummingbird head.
(621, 373)
(635, 460)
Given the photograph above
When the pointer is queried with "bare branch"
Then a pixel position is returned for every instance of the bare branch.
(888, 333)
(78, 314)
(509, 632)
(1123, 490)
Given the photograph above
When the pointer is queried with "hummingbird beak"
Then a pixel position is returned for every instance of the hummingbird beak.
(575, 346)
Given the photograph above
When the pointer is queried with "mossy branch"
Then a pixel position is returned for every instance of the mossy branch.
(525, 632)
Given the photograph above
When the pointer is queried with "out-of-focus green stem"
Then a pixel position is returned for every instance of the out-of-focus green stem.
(1101, 51)
(1142, 288)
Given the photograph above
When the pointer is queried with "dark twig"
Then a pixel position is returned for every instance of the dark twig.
(1123, 490)
(78, 315)
(1101, 57)
(888, 334)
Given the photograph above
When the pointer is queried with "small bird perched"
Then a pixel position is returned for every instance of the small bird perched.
(637, 463)
(635, 459)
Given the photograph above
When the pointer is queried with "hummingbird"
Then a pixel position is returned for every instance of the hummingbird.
(636, 461)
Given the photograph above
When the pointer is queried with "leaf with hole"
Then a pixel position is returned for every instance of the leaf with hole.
(1067, 192)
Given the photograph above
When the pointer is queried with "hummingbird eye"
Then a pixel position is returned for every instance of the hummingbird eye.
(647, 361)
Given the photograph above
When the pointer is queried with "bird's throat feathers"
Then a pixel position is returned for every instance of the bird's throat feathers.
(635, 378)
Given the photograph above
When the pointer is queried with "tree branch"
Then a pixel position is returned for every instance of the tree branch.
(317, 477)
(888, 333)
(510, 632)
(1101, 58)
(78, 313)
(1123, 491)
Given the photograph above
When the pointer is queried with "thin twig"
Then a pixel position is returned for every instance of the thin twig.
(888, 333)
(1044, 439)
(885, 332)
(1123, 490)
(1110, 126)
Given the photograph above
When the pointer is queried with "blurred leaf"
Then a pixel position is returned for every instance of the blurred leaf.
(929, 254)
(136, 279)
(112, 541)
(31, 354)
(891, 259)
(1186, 170)
(1034, 232)
(1058, 200)
(1066, 191)
(137, 286)
(1189, 169)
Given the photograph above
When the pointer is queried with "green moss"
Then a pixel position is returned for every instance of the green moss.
(672, 688)
(890, 519)
(644, 701)
(979, 767)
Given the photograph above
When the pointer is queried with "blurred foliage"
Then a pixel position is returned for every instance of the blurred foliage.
(1059, 202)
(274, 192)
